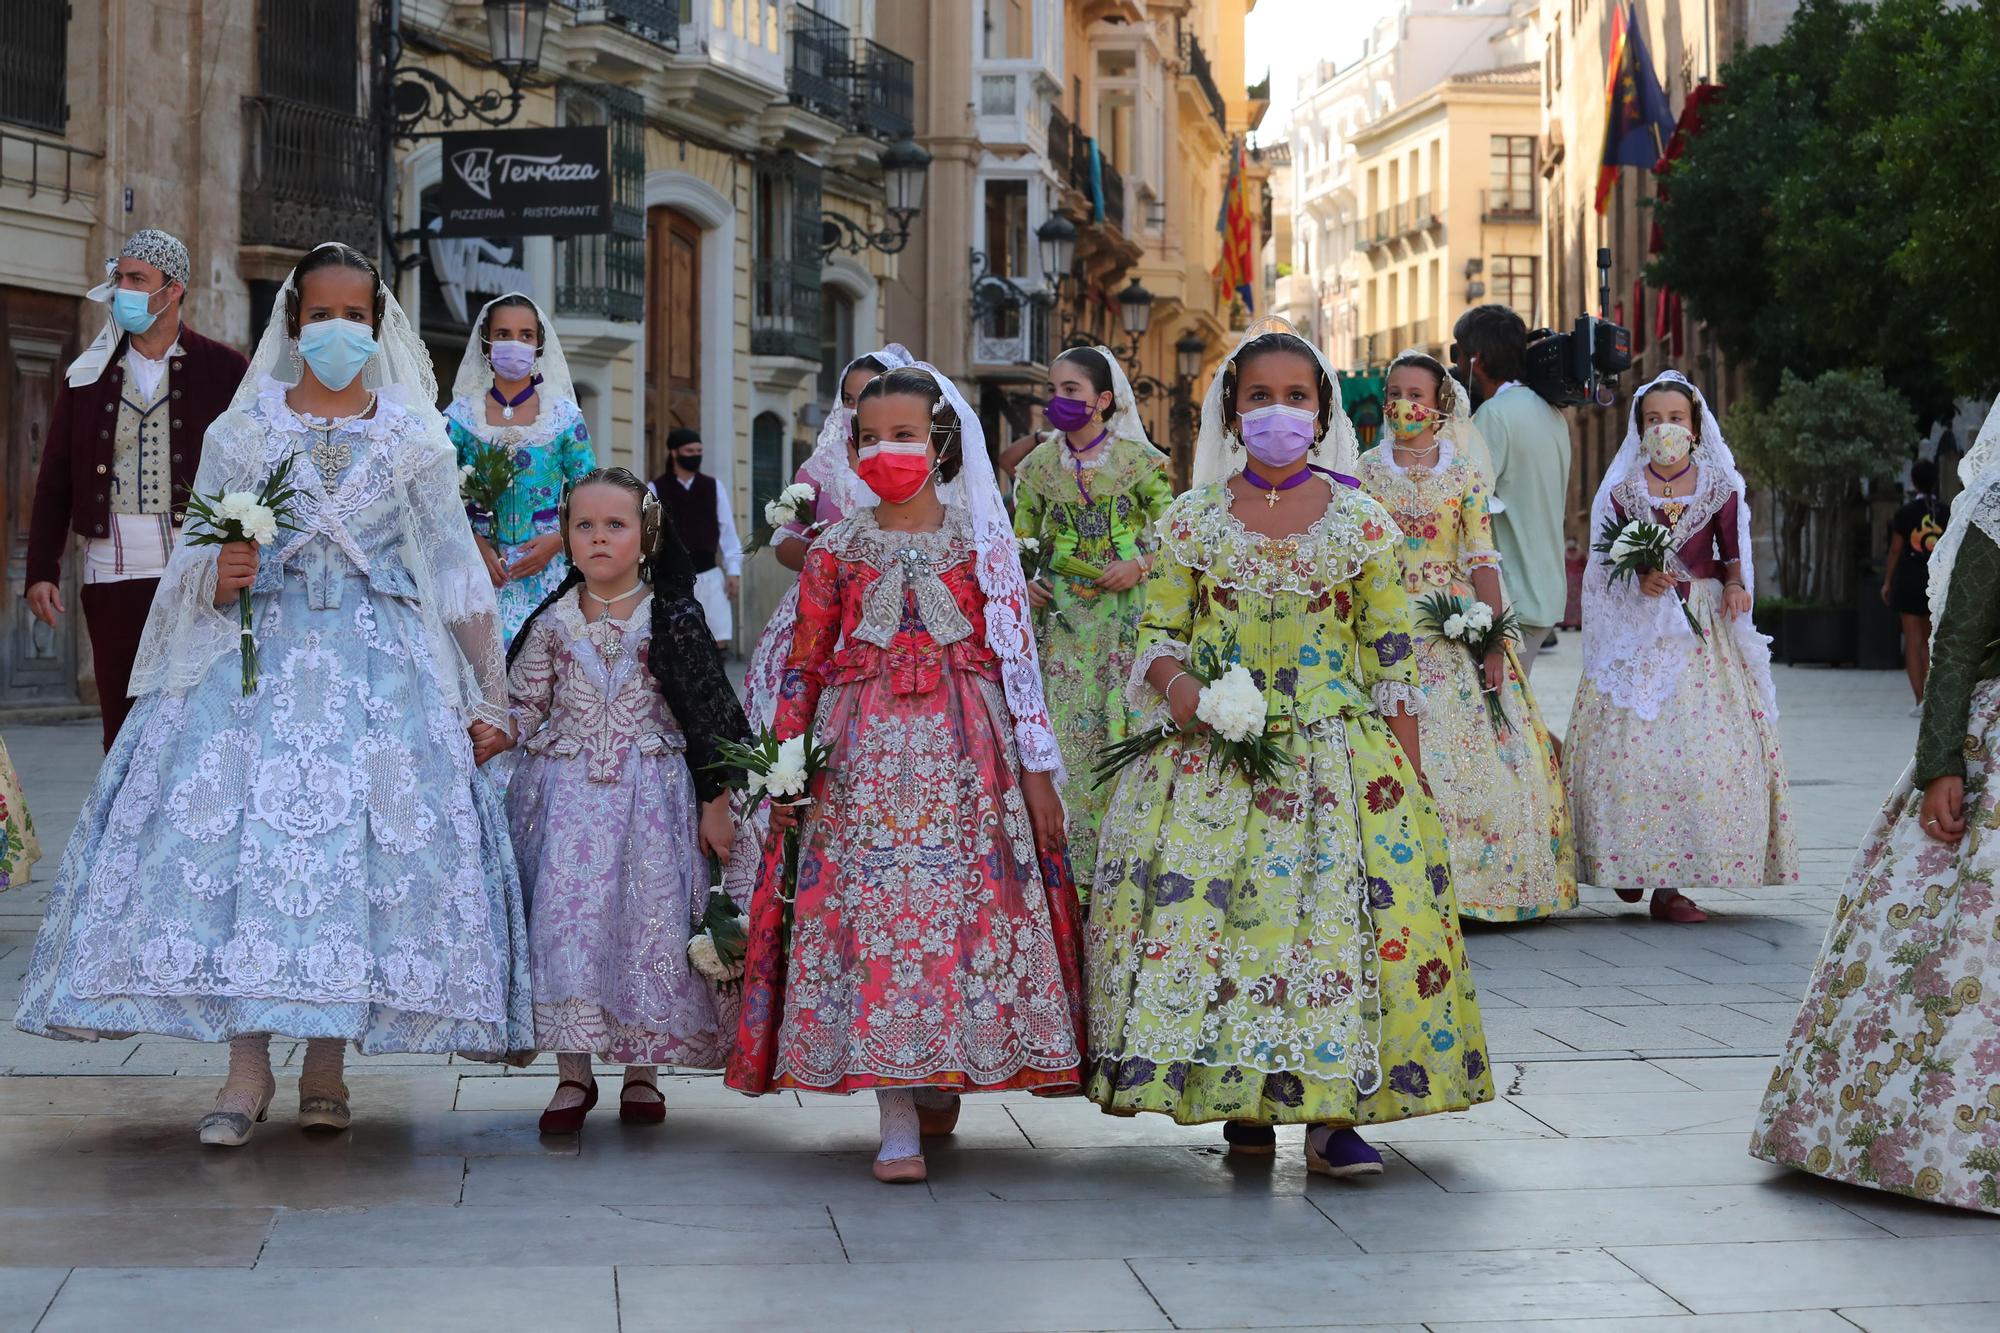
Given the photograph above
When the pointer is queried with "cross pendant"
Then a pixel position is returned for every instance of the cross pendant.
(1271, 498)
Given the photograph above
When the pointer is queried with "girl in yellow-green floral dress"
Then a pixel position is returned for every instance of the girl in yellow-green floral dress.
(1498, 783)
(1286, 951)
(1086, 497)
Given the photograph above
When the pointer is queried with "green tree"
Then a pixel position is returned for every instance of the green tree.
(1812, 446)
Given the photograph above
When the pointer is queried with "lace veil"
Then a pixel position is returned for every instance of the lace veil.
(475, 372)
(1636, 647)
(829, 468)
(1977, 506)
(186, 633)
(1339, 450)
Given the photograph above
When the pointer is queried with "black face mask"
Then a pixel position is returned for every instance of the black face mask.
(691, 460)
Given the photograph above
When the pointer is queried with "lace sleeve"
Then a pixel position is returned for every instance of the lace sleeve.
(689, 671)
(185, 633)
(451, 576)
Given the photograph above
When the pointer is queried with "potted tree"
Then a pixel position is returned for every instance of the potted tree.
(1812, 445)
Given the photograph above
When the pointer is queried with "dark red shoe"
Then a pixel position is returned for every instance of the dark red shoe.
(569, 1119)
(638, 1110)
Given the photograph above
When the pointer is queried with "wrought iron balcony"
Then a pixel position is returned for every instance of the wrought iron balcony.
(657, 21)
(1505, 206)
(1060, 145)
(884, 91)
(784, 308)
(34, 64)
(821, 76)
(1196, 61)
(1114, 193)
(309, 175)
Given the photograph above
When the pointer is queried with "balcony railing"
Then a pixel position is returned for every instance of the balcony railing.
(1197, 64)
(44, 168)
(884, 91)
(1364, 351)
(784, 308)
(1382, 230)
(1114, 193)
(821, 76)
(1504, 206)
(603, 277)
(657, 21)
(309, 175)
(1061, 146)
(34, 64)
(1420, 216)
(1014, 335)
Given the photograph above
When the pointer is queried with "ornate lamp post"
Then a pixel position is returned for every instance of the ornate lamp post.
(905, 167)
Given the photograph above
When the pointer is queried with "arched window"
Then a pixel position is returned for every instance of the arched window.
(767, 460)
(836, 340)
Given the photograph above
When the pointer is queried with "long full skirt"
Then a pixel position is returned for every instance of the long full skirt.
(19, 848)
(318, 859)
(614, 875)
(930, 945)
(1695, 797)
(1501, 796)
(1087, 640)
(1891, 1076)
(1284, 952)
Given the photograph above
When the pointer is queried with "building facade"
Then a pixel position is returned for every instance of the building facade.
(253, 129)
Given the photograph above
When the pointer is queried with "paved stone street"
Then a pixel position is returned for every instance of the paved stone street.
(1610, 1182)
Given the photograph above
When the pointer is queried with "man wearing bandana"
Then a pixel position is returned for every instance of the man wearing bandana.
(124, 440)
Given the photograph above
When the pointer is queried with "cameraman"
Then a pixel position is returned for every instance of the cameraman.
(1529, 444)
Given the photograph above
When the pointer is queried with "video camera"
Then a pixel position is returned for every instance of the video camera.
(1583, 365)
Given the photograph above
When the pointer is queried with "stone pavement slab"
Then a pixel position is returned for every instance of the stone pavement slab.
(1608, 1189)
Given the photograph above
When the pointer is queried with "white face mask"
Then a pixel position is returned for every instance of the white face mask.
(1666, 443)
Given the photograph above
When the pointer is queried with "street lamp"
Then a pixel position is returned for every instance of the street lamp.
(1057, 239)
(905, 167)
(1135, 312)
(514, 32)
(1188, 350)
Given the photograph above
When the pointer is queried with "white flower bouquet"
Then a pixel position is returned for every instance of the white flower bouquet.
(716, 952)
(246, 516)
(1035, 561)
(781, 771)
(1231, 712)
(1635, 548)
(1473, 625)
(792, 502)
(484, 481)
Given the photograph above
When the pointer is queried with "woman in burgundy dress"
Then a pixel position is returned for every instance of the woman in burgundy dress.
(1672, 760)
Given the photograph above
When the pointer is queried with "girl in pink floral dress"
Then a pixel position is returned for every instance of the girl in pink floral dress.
(933, 942)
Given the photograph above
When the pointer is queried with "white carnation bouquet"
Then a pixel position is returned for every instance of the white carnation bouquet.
(246, 516)
(792, 502)
(782, 771)
(485, 481)
(1637, 547)
(1473, 625)
(716, 952)
(1241, 731)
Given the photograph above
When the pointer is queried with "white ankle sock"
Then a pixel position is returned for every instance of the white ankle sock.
(900, 1135)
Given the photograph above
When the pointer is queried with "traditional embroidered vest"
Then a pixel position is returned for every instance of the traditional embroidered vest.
(692, 512)
(141, 476)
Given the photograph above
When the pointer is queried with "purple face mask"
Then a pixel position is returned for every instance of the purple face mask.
(1068, 414)
(511, 359)
(1279, 435)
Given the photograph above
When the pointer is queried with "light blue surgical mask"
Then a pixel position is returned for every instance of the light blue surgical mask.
(336, 349)
(133, 311)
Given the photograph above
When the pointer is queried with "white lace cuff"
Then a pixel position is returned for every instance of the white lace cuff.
(1139, 692)
(464, 594)
(1479, 559)
(1398, 696)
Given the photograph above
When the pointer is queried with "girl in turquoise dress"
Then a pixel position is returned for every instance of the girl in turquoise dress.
(513, 393)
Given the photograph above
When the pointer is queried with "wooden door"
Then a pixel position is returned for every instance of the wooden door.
(673, 330)
(38, 665)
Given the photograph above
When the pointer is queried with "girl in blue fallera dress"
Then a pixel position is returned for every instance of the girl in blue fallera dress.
(514, 393)
(317, 857)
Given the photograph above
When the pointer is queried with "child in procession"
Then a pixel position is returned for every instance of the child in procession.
(621, 699)
(1087, 497)
(299, 842)
(1498, 783)
(1282, 949)
(931, 944)
(1672, 761)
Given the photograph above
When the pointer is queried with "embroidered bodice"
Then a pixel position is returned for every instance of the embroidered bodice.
(1704, 544)
(580, 687)
(1443, 512)
(550, 453)
(1085, 526)
(1320, 618)
(907, 605)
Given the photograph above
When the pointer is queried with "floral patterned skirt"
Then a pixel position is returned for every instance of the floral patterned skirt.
(319, 859)
(1501, 797)
(1087, 640)
(930, 947)
(613, 874)
(1697, 796)
(19, 848)
(519, 597)
(1891, 1077)
(1284, 953)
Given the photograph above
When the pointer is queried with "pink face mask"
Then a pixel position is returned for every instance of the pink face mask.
(894, 469)
(1279, 435)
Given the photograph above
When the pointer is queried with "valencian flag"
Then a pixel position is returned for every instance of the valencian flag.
(1637, 121)
(1235, 272)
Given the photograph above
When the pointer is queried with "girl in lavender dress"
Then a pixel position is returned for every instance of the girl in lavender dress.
(621, 699)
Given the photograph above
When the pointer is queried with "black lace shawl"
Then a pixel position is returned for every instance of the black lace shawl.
(683, 659)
